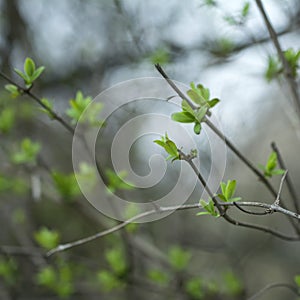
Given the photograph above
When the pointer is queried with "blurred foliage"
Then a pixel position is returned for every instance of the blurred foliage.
(94, 44)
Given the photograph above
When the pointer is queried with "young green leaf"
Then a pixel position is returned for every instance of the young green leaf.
(169, 146)
(209, 208)
(245, 10)
(270, 168)
(14, 91)
(197, 128)
(37, 73)
(29, 67)
(200, 113)
(186, 107)
(183, 117)
(49, 111)
(213, 102)
(228, 190)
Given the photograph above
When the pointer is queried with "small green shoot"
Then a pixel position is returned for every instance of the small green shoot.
(13, 90)
(201, 97)
(209, 208)
(31, 73)
(228, 190)
(270, 168)
(169, 146)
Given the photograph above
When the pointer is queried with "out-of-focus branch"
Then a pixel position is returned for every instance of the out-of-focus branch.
(273, 286)
(286, 67)
(289, 184)
(40, 102)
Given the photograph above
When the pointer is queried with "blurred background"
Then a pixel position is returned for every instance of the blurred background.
(92, 45)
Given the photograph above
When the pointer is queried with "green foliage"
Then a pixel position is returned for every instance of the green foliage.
(275, 68)
(297, 280)
(210, 3)
(178, 258)
(201, 97)
(48, 111)
(8, 271)
(292, 58)
(58, 281)
(113, 278)
(159, 277)
(7, 119)
(87, 177)
(66, 185)
(209, 208)
(194, 288)
(160, 56)
(116, 181)
(27, 152)
(131, 210)
(222, 47)
(117, 262)
(169, 146)
(13, 90)
(270, 168)
(77, 107)
(228, 190)
(30, 73)
(47, 238)
(109, 281)
(233, 285)
(12, 184)
(241, 17)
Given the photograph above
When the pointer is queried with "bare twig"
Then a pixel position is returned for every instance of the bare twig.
(287, 69)
(277, 200)
(275, 285)
(289, 184)
(250, 212)
(162, 209)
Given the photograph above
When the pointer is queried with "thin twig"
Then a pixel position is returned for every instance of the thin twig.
(40, 102)
(287, 69)
(275, 285)
(220, 134)
(250, 212)
(277, 200)
(228, 143)
(289, 184)
(162, 209)
(223, 213)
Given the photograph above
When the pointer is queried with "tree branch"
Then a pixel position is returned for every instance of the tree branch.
(40, 102)
(228, 143)
(288, 178)
(275, 285)
(287, 69)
